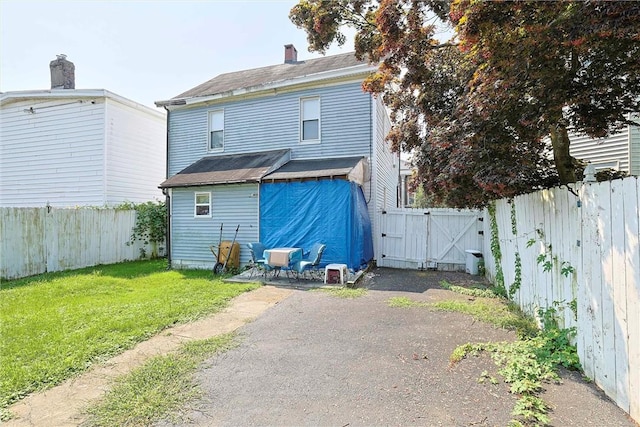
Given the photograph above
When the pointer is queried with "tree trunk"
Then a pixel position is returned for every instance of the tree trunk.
(565, 163)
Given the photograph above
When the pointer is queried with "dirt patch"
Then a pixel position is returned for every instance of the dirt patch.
(63, 404)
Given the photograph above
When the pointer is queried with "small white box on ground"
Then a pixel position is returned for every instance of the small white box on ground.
(473, 261)
(335, 274)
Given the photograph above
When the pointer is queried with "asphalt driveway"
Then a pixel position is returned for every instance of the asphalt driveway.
(315, 359)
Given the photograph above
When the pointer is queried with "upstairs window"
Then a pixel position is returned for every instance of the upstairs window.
(310, 119)
(216, 130)
(202, 205)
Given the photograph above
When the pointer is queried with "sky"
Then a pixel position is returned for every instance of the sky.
(145, 51)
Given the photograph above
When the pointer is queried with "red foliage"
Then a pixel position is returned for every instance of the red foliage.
(476, 110)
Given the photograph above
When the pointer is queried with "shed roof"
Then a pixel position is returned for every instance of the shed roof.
(235, 168)
(258, 77)
(266, 166)
(337, 167)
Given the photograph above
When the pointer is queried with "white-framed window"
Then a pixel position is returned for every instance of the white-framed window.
(310, 119)
(202, 205)
(216, 130)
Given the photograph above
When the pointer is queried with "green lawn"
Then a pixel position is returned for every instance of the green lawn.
(56, 325)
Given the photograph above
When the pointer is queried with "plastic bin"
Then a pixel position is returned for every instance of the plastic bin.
(474, 258)
(335, 274)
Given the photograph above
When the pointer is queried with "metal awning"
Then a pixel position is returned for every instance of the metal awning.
(230, 169)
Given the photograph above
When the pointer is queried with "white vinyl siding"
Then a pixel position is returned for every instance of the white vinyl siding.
(80, 151)
(612, 151)
(310, 119)
(135, 154)
(53, 156)
(216, 130)
(634, 147)
(202, 205)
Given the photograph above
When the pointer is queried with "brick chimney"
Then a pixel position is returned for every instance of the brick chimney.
(63, 73)
(290, 54)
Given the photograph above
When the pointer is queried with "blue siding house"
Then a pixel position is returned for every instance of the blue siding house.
(292, 153)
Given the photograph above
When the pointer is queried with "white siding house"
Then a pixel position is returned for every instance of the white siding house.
(620, 151)
(68, 147)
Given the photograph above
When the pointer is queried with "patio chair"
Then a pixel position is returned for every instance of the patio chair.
(258, 263)
(310, 261)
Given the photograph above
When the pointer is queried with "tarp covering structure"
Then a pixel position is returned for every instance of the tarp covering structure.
(333, 212)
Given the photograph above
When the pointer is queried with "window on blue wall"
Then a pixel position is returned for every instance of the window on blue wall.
(310, 119)
(202, 205)
(216, 130)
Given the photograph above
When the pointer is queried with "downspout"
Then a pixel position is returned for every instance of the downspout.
(371, 162)
(167, 193)
(399, 197)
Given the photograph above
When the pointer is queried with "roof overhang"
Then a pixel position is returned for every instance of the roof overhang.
(354, 169)
(357, 71)
(7, 98)
(229, 169)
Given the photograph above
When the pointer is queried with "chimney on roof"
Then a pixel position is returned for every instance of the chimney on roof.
(63, 73)
(290, 54)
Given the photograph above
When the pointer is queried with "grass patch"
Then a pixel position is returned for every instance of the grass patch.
(496, 312)
(343, 292)
(490, 310)
(404, 302)
(55, 326)
(159, 388)
(482, 292)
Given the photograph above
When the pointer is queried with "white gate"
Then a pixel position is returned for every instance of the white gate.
(428, 238)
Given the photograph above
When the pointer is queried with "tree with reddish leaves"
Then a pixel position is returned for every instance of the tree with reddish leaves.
(488, 114)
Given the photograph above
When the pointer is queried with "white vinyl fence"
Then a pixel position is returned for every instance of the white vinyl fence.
(580, 254)
(39, 240)
(428, 238)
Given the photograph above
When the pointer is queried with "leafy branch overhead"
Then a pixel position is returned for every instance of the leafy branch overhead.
(488, 113)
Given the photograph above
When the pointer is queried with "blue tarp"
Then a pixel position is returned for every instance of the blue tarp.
(333, 212)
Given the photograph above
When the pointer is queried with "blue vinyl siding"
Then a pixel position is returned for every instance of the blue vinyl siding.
(273, 122)
(232, 205)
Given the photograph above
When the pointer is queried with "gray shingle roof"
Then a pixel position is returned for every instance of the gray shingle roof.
(274, 73)
(235, 168)
(314, 168)
(255, 167)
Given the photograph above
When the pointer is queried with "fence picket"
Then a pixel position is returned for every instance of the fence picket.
(38, 240)
(605, 229)
(632, 282)
(619, 292)
(596, 233)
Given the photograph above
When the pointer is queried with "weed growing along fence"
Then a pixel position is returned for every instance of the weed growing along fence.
(40, 240)
(576, 250)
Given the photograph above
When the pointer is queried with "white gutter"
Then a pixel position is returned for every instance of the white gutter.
(26, 95)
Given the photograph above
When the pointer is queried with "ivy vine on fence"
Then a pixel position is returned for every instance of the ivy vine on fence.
(495, 249)
(517, 281)
(151, 225)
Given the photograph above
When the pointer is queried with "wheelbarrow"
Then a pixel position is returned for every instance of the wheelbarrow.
(221, 256)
